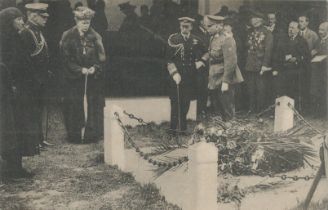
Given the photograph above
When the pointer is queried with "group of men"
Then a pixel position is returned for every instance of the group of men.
(202, 63)
(28, 74)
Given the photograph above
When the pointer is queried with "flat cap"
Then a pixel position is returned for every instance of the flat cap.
(83, 13)
(186, 20)
(38, 7)
(215, 18)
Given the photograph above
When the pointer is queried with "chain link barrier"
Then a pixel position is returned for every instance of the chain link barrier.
(143, 122)
(185, 158)
(146, 156)
(300, 117)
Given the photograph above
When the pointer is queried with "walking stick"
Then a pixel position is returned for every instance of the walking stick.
(85, 106)
(47, 123)
(179, 115)
(179, 108)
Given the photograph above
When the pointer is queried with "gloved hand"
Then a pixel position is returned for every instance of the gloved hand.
(85, 71)
(224, 87)
(91, 70)
(264, 69)
(275, 73)
(177, 78)
(199, 64)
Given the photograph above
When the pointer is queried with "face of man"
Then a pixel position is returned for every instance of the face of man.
(303, 23)
(185, 28)
(271, 19)
(323, 30)
(38, 19)
(18, 23)
(256, 22)
(83, 25)
(293, 29)
(227, 28)
(214, 28)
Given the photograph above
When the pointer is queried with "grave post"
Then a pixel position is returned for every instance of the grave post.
(203, 169)
(284, 115)
(113, 137)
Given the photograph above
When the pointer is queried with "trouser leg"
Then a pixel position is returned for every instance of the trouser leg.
(261, 89)
(227, 101)
(251, 86)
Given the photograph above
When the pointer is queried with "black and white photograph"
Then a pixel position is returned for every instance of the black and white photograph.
(163, 105)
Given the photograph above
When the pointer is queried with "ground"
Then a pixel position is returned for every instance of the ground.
(71, 177)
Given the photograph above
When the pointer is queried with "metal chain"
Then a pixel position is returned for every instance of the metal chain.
(147, 156)
(302, 119)
(284, 176)
(266, 110)
(132, 116)
(185, 159)
(143, 122)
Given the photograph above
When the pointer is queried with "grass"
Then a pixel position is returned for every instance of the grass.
(72, 177)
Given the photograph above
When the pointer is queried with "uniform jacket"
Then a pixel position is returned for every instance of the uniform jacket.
(222, 56)
(259, 46)
(297, 48)
(311, 38)
(82, 52)
(33, 56)
(182, 54)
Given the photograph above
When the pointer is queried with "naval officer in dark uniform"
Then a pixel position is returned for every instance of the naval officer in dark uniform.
(184, 60)
(31, 77)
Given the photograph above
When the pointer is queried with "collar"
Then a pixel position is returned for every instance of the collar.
(185, 36)
(304, 31)
(82, 34)
(271, 28)
(32, 25)
(293, 37)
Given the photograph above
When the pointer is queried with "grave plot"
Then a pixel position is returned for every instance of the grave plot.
(255, 161)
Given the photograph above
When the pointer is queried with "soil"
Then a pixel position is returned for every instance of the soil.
(69, 176)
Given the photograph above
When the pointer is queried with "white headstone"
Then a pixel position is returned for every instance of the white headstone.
(113, 138)
(284, 115)
(202, 172)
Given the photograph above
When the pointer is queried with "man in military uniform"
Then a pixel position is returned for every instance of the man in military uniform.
(224, 72)
(259, 46)
(33, 75)
(184, 53)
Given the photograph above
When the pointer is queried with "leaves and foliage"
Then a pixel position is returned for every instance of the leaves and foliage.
(249, 146)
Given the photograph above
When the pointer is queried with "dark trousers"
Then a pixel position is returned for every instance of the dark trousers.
(291, 86)
(224, 102)
(202, 91)
(11, 165)
(257, 90)
(74, 112)
(184, 101)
